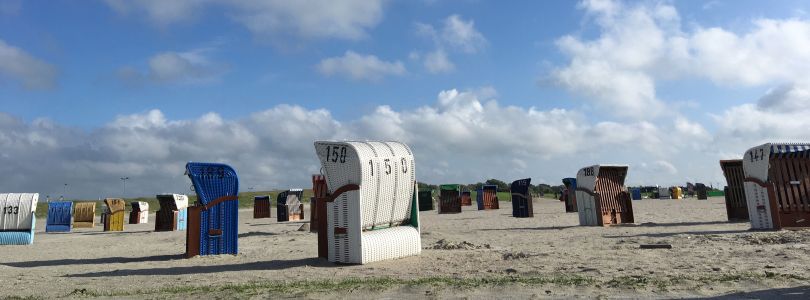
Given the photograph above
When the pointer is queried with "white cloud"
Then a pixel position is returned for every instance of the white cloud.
(462, 34)
(171, 67)
(31, 72)
(466, 136)
(456, 34)
(310, 18)
(641, 45)
(303, 18)
(360, 67)
(159, 12)
(437, 62)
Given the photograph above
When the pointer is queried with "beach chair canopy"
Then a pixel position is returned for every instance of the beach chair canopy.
(17, 211)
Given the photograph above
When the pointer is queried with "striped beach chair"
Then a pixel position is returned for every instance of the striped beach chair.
(449, 199)
(487, 197)
(213, 221)
(372, 212)
(59, 216)
(522, 206)
(777, 185)
(466, 198)
(261, 207)
(736, 203)
(17, 219)
(602, 198)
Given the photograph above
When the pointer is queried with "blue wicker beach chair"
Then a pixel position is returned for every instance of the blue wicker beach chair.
(213, 220)
(59, 214)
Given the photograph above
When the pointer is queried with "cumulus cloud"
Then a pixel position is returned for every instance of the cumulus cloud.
(456, 34)
(465, 136)
(305, 18)
(641, 45)
(31, 72)
(169, 67)
(360, 67)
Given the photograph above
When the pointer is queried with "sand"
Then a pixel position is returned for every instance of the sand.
(475, 254)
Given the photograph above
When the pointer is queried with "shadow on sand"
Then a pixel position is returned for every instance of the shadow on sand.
(91, 261)
(802, 292)
(252, 266)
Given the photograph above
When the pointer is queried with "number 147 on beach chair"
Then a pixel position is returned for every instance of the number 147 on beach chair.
(371, 209)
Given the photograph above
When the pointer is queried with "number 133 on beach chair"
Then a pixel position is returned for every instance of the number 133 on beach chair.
(371, 210)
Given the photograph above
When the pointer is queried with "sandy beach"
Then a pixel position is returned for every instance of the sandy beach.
(475, 254)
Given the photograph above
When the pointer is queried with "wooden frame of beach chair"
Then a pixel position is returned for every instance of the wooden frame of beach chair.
(17, 219)
(522, 204)
(372, 209)
(84, 214)
(734, 193)
(113, 216)
(602, 198)
(59, 216)
(213, 222)
(777, 185)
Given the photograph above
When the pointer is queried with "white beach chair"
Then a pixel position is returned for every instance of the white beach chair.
(372, 211)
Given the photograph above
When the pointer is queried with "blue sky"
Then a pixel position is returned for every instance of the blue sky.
(653, 84)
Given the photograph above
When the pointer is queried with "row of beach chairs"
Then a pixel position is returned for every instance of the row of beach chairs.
(366, 202)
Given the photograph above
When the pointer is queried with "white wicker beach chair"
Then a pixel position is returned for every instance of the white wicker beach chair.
(17, 218)
(373, 214)
(602, 198)
(776, 184)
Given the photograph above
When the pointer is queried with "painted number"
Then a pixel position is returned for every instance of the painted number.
(404, 166)
(588, 171)
(754, 156)
(336, 153)
(387, 166)
(11, 210)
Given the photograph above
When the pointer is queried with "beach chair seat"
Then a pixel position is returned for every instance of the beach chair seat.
(113, 215)
(84, 214)
(173, 212)
(371, 207)
(213, 221)
(59, 216)
(261, 207)
(17, 219)
(139, 213)
(449, 199)
(776, 184)
(522, 206)
(602, 198)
